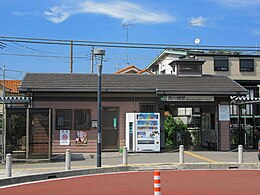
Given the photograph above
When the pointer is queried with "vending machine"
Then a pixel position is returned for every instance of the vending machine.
(143, 132)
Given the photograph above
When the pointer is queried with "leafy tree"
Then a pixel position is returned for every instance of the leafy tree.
(172, 126)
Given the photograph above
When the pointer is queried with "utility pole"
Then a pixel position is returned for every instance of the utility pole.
(92, 60)
(71, 56)
(3, 117)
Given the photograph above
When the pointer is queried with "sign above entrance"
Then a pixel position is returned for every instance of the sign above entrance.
(176, 98)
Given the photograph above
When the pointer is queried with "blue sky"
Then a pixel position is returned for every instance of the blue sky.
(215, 22)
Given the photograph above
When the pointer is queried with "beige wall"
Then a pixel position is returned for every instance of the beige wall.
(234, 72)
(123, 107)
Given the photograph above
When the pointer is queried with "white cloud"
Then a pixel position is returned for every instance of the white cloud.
(239, 3)
(33, 13)
(123, 10)
(56, 14)
(200, 21)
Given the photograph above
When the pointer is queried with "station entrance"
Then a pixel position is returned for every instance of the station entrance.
(201, 126)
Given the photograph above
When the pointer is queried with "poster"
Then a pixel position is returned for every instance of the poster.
(81, 138)
(65, 137)
(224, 113)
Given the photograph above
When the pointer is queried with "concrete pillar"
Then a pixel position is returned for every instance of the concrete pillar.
(181, 154)
(68, 160)
(240, 154)
(125, 156)
(8, 165)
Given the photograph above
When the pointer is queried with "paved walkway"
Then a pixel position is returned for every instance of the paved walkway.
(164, 160)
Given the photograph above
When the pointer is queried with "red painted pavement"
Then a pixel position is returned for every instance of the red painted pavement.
(172, 182)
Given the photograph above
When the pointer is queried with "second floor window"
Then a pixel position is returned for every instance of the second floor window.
(220, 64)
(246, 65)
(189, 70)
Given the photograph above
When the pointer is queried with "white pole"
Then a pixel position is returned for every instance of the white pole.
(240, 154)
(68, 160)
(181, 154)
(125, 156)
(8, 165)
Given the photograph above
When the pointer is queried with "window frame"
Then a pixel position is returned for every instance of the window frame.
(69, 119)
(87, 122)
(218, 67)
(189, 70)
(152, 105)
(246, 69)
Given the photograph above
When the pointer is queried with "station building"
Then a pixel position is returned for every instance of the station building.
(62, 113)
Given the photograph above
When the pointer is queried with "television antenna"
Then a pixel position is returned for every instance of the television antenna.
(126, 26)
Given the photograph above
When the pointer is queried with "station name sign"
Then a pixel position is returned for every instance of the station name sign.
(187, 98)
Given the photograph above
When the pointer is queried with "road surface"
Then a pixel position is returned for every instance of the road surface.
(172, 182)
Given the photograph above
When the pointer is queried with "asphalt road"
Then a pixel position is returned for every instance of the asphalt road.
(172, 182)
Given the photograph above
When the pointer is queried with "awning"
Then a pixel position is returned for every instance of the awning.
(15, 99)
(244, 100)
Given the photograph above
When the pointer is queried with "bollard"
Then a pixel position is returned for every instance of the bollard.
(240, 154)
(8, 165)
(157, 182)
(68, 160)
(181, 154)
(125, 156)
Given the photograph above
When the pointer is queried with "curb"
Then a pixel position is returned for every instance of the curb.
(62, 174)
(218, 166)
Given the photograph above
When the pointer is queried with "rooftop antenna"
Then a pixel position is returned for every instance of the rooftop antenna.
(126, 26)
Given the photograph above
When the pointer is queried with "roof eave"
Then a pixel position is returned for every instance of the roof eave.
(166, 51)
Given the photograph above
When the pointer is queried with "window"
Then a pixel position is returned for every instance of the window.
(147, 107)
(220, 63)
(82, 120)
(184, 70)
(246, 65)
(64, 119)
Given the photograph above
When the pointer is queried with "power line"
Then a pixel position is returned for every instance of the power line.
(12, 78)
(124, 44)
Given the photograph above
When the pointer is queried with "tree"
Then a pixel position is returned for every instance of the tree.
(172, 126)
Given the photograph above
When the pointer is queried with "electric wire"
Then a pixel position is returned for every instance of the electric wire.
(124, 44)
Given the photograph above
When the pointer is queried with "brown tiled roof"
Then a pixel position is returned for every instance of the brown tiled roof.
(163, 84)
(144, 70)
(127, 69)
(12, 85)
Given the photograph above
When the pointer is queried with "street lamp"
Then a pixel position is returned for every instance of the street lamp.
(99, 53)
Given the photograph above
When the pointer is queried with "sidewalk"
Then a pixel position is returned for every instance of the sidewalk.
(164, 160)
